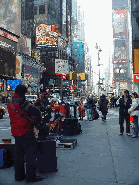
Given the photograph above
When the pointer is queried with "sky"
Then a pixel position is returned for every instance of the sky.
(98, 29)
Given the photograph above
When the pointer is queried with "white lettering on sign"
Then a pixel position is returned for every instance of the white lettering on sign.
(4, 44)
(9, 36)
(61, 66)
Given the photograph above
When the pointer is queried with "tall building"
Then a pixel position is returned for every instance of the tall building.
(10, 12)
(121, 40)
(80, 25)
(135, 43)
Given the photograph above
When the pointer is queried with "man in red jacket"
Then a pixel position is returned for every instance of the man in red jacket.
(25, 121)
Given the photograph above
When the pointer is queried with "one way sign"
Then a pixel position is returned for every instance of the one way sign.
(61, 66)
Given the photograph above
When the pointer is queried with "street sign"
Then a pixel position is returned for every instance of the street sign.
(61, 66)
(72, 87)
(64, 76)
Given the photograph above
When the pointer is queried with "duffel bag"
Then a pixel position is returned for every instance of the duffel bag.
(6, 159)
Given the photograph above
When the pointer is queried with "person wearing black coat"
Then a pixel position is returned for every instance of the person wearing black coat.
(43, 104)
(124, 103)
(103, 106)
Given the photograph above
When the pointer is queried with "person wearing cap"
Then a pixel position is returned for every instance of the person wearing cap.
(25, 123)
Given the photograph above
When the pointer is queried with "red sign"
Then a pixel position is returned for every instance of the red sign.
(71, 88)
(1, 84)
(64, 76)
(8, 36)
(136, 78)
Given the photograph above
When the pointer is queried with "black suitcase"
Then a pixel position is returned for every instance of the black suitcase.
(71, 126)
(46, 156)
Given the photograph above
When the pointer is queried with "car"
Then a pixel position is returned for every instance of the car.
(2, 112)
(31, 98)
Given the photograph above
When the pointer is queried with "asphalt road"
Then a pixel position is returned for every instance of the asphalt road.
(101, 156)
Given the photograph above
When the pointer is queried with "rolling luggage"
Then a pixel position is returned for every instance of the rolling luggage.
(46, 156)
(95, 114)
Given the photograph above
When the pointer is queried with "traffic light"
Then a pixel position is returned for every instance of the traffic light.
(22, 74)
(72, 76)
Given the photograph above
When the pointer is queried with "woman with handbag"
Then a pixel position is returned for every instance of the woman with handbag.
(134, 111)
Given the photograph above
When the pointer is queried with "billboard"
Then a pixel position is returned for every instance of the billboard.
(120, 23)
(18, 66)
(8, 64)
(121, 74)
(120, 51)
(136, 60)
(11, 84)
(10, 15)
(46, 35)
(24, 45)
(78, 56)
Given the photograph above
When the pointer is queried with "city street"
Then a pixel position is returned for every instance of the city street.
(101, 156)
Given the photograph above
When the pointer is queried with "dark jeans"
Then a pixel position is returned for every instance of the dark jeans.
(25, 148)
(136, 128)
(121, 122)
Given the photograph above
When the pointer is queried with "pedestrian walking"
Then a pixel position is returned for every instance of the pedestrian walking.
(103, 103)
(89, 108)
(134, 112)
(124, 103)
(25, 123)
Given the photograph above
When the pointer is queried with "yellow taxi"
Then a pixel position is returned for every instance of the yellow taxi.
(2, 112)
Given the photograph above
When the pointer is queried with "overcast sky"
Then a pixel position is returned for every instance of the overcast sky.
(98, 29)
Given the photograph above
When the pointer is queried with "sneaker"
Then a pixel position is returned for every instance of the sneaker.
(134, 136)
(128, 134)
(120, 133)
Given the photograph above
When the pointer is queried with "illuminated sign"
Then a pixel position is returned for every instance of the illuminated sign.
(136, 78)
(136, 60)
(8, 36)
(8, 44)
(46, 35)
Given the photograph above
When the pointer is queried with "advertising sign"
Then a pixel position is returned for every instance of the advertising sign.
(8, 44)
(120, 51)
(136, 78)
(135, 26)
(18, 66)
(136, 60)
(46, 35)
(78, 56)
(11, 84)
(10, 15)
(61, 66)
(8, 64)
(120, 23)
(120, 72)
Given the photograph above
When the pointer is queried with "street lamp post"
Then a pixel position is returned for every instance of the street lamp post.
(99, 50)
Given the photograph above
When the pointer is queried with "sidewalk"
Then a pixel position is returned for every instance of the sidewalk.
(101, 157)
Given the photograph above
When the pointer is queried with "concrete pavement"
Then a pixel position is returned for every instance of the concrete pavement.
(101, 157)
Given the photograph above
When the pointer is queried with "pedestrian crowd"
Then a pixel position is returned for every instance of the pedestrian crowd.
(31, 121)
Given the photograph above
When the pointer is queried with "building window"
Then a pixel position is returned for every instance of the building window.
(42, 9)
(35, 10)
